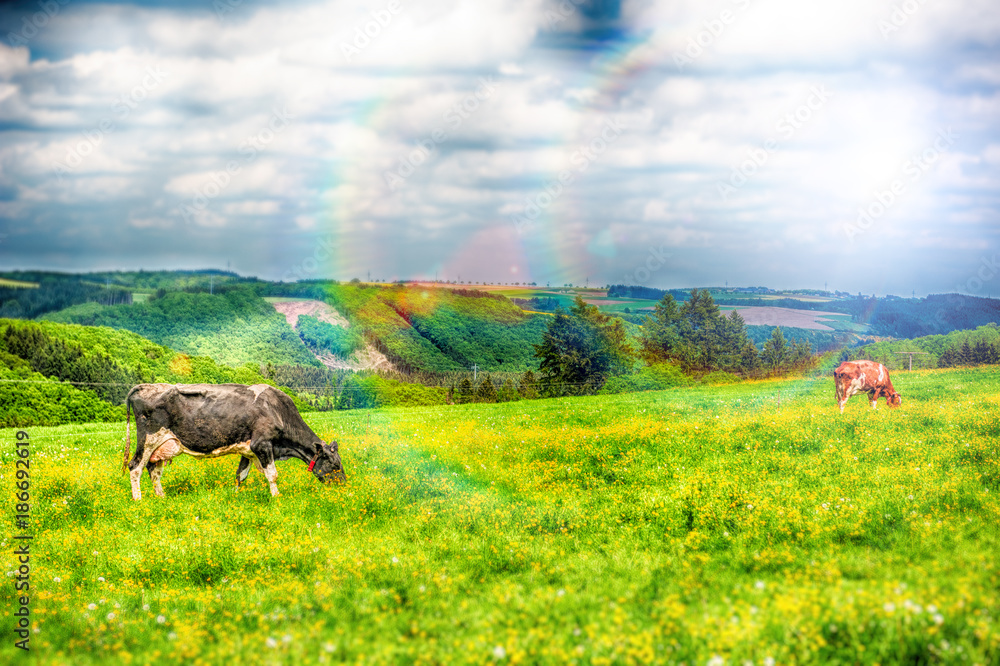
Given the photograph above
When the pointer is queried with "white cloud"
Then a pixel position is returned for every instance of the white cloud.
(253, 207)
(219, 83)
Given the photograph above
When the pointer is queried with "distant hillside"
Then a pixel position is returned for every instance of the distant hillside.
(28, 295)
(418, 327)
(36, 358)
(958, 348)
(442, 330)
(886, 316)
(234, 327)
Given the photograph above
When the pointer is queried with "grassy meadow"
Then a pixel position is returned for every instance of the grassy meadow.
(746, 523)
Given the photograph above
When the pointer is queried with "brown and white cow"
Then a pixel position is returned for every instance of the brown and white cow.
(868, 377)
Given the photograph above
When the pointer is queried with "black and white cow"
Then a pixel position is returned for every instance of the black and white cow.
(259, 423)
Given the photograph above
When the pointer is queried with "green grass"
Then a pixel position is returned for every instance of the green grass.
(721, 524)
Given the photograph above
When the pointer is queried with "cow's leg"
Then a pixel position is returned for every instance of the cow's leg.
(842, 397)
(169, 448)
(134, 476)
(263, 459)
(153, 454)
(143, 451)
(242, 472)
(155, 473)
(843, 391)
(139, 459)
(873, 398)
(271, 473)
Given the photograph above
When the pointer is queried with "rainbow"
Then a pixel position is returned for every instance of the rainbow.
(553, 247)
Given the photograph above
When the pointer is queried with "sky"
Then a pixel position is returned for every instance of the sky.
(788, 144)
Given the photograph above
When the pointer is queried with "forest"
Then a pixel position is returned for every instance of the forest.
(540, 304)
(233, 325)
(56, 373)
(980, 346)
(327, 338)
(441, 330)
(698, 338)
(644, 293)
(54, 293)
(583, 350)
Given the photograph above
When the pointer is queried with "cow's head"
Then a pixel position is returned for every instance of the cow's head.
(894, 400)
(327, 466)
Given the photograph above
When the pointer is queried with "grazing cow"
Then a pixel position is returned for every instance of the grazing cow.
(259, 423)
(864, 377)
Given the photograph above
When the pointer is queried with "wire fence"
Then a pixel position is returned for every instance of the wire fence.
(352, 418)
(757, 401)
(324, 387)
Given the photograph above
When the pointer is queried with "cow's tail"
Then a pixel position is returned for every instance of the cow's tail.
(128, 423)
(128, 441)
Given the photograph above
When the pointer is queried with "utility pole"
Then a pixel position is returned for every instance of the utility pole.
(475, 368)
(211, 285)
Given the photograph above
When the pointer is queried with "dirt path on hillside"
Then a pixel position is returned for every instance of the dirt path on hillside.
(318, 309)
(368, 358)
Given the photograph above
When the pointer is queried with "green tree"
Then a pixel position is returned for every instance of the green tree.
(487, 391)
(508, 392)
(694, 334)
(799, 354)
(775, 354)
(529, 386)
(581, 348)
(749, 362)
(732, 340)
(702, 328)
(660, 338)
(948, 359)
(465, 392)
(355, 394)
(965, 355)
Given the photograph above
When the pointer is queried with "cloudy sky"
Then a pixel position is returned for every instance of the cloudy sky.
(756, 142)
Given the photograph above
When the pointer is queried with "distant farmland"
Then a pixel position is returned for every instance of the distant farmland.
(6, 282)
(789, 318)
